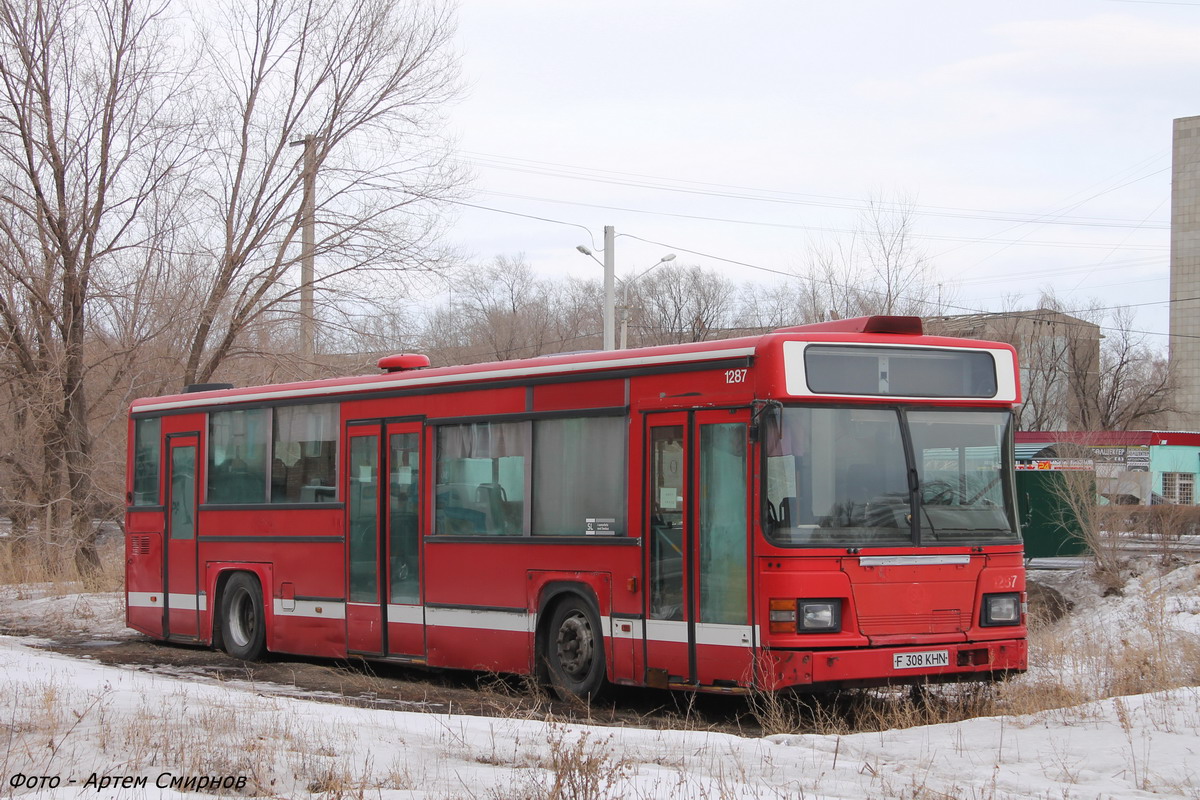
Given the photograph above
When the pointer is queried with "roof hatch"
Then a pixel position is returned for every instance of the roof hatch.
(402, 362)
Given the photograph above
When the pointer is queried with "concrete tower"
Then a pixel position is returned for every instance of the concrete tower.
(1185, 273)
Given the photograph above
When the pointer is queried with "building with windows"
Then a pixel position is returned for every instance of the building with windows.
(1132, 467)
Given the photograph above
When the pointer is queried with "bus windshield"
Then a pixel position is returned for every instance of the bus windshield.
(845, 477)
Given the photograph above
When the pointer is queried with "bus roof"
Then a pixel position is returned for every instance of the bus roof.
(864, 330)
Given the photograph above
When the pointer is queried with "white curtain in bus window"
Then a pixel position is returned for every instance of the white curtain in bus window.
(481, 478)
(237, 456)
(146, 443)
(304, 454)
(579, 476)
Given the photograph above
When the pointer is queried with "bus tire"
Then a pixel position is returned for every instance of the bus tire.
(243, 623)
(574, 650)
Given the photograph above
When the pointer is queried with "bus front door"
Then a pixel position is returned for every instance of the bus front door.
(384, 615)
(698, 630)
(181, 594)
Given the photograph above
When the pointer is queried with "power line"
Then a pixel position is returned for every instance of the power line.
(794, 276)
(757, 194)
(964, 309)
(810, 228)
(784, 197)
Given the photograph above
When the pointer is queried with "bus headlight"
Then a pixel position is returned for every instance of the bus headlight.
(1000, 609)
(820, 615)
(805, 616)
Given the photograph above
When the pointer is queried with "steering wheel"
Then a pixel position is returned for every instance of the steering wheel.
(940, 493)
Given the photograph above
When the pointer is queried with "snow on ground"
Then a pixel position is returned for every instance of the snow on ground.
(86, 718)
(66, 718)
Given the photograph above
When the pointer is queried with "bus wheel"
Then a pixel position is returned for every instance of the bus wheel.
(575, 650)
(243, 624)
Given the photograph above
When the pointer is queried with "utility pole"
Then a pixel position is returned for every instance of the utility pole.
(308, 243)
(610, 291)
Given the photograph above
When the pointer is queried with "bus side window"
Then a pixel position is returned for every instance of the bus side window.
(146, 461)
(481, 478)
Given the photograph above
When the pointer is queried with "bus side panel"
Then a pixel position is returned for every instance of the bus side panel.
(475, 609)
(482, 597)
(717, 387)
(143, 572)
(579, 395)
(303, 582)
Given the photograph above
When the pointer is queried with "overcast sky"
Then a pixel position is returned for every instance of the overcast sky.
(1033, 136)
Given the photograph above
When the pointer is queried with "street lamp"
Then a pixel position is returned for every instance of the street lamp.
(625, 295)
(610, 295)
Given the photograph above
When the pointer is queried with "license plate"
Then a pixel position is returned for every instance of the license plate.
(926, 658)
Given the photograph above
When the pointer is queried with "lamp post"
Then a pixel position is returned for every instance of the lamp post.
(610, 295)
(625, 295)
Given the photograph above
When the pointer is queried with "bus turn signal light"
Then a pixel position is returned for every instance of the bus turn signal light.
(783, 616)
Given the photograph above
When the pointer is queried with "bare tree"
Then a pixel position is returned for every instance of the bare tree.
(681, 304)
(504, 310)
(361, 84)
(879, 269)
(1135, 387)
(90, 133)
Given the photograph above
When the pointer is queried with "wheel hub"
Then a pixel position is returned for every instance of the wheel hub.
(574, 645)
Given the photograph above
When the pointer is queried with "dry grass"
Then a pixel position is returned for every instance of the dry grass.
(51, 725)
(54, 571)
(578, 766)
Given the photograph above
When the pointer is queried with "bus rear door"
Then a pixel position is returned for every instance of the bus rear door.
(181, 594)
(384, 615)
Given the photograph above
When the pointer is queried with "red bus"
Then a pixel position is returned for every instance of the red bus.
(822, 506)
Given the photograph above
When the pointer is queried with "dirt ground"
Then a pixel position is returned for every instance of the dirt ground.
(382, 685)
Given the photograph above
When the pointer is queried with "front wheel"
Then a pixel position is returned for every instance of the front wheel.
(243, 624)
(575, 650)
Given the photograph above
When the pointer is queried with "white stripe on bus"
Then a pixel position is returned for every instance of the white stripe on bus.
(316, 609)
(406, 615)
(175, 601)
(653, 630)
(479, 619)
(145, 599)
(707, 633)
(724, 635)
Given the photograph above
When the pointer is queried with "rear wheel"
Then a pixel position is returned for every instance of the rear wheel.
(243, 624)
(574, 650)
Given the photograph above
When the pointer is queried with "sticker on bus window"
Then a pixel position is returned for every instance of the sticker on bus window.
(668, 498)
(604, 526)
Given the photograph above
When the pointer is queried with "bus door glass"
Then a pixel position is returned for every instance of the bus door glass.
(181, 613)
(383, 513)
(404, 613)
(697, 615)
(723, 635)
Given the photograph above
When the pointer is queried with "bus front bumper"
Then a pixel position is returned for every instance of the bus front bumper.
(881, 666)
